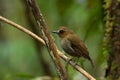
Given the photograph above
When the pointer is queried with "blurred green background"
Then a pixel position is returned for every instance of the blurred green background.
(22, 58)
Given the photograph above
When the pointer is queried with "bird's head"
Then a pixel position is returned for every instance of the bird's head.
(63, 31)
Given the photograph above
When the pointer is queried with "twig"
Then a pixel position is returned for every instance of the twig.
(78, 68)
(22, 29)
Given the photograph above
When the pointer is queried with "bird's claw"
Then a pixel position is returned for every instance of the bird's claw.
(68, 60)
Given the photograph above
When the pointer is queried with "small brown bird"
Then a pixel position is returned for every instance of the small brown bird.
(72, 44)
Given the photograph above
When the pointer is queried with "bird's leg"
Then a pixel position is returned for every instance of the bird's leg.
(72, 59)
(76, 61)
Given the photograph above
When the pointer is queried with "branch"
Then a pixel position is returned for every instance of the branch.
(48, 40)
(34, 29)
(78, 68)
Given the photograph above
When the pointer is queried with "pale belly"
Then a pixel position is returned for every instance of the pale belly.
(66, 46)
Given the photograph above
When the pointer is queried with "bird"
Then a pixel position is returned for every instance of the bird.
(72, 44)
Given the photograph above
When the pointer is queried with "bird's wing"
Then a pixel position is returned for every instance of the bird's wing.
(78, 45)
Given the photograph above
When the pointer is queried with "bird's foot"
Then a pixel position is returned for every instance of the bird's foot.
(68, 60)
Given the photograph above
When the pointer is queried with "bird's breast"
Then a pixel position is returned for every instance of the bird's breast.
(66, 46)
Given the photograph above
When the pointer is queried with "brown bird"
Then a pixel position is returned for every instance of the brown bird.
(72, 44)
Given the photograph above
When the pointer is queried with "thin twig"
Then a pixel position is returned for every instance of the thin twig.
(22, 29)
(78, 68)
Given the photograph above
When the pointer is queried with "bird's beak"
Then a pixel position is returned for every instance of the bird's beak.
(55, 32)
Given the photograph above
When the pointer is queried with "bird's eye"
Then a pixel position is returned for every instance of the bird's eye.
(61, 31)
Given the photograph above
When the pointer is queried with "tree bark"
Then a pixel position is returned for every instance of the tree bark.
(112, 38)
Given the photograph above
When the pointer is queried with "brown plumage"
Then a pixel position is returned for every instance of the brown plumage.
(72, 44)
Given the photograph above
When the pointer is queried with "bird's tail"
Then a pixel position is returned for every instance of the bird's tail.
(91, 61)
